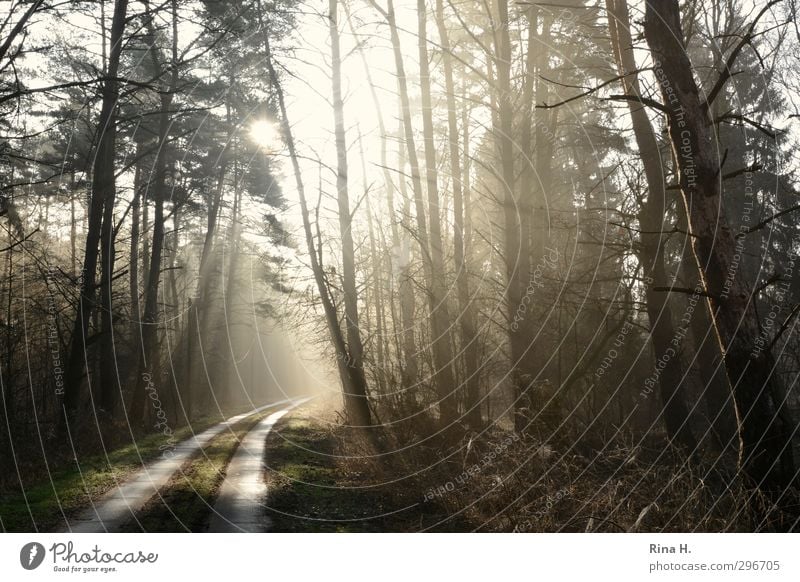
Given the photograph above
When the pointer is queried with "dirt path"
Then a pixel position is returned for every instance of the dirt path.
(239, 503)
(119, 505)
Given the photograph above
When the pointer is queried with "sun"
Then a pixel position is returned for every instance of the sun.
(265, 133)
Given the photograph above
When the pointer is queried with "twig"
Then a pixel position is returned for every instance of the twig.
(687, 291)
(766, 221)
(19, 242)
(773, 279)
(726, 71)
(783, 327)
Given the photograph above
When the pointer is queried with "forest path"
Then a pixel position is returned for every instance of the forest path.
(119, 505)
(240, 501)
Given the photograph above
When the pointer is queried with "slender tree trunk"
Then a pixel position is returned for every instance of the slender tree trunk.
(356, 402)
(102, 195)
(148, 363)
(133, 281)
(349, 383)
(466, 241)
(380, 321)
(221, 376)
(407, 301)
(503, 128)
(9, 402)
(469, 337)
(536, 216)
(146, 234)
(440, 319)
(442, 352)
(110, 384)
(765, 455)
(408, 372)
(535, 57)
(652, 243)
(73, 228)
(133, 273)
(173, 266)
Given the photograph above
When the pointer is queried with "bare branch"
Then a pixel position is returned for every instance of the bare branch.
(783, 327)
(727, 70)
(687, 291)
(766, 221)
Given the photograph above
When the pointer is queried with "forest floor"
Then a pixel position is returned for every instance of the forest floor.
(313, 486)
(322, 479)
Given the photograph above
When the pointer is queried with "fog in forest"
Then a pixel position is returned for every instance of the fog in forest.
(450, 265)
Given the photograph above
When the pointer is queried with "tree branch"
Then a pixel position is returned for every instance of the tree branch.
(687, 291)
(783, 327)
(727, 69)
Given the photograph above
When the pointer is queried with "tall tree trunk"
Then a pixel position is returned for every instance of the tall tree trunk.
(535, 179)
(9, 402)
(102, 195)
(133, 273)
(469, 346)
(442, 353)
(440, 319)
(174, 242)
(148, 363)
(532, 92)
(466, 226)
(197, 319)
(73, 228)
(715, 390)
(377, 279)
(110, 381)
(408, 374)
(349, 383)
(652, 243)
(145, 252)
(356, 401)
(503, 122)
(109, 384)
(765, 455)
(133, 281)
(221, 376)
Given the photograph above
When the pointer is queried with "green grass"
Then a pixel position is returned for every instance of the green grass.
(186, 502)
(44, 504)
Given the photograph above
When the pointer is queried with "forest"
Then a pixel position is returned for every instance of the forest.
(431, 265)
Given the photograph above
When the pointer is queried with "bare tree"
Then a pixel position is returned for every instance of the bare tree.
(358, 407)
(466, 311)
(431, 251)
(356, 404)
(765, 455)
(653, 240)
